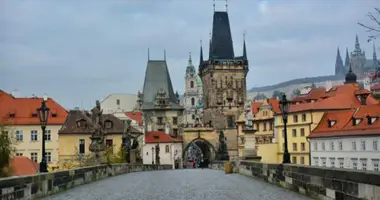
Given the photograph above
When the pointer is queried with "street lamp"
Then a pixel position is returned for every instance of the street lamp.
(152, 155)
(43, 113)
(284, 107)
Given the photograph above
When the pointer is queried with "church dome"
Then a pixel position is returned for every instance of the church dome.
(198, 81)
(350, 77)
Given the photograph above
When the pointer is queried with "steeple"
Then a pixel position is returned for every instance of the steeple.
(190, 62)
(201, 55)
(374, 52)
(357, 50)
(190, 69)
(339, 68)
(221, 43)
(350, 76)
(244, 48)
(347, 61)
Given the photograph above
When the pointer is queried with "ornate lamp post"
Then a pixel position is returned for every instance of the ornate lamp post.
(284, 107)
(152, 155)
(43, 113)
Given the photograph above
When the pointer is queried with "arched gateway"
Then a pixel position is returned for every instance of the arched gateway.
(199, 148)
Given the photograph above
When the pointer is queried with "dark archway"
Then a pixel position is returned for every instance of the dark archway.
(199, 150)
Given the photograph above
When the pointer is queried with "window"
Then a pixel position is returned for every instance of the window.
(341, 162)
(230, 121)
(332, 162)
(323, 146)
(354, 145)
(302, 160)
(166, 148)
(362, 145)
(175, 131)
(82, 146)
(323, 162)
(295, 118)
(118, 102)
(191, 84)
(175, 120)
(375, 163)
(332, 146)
(19, 135)
(81, 123)
(294, 146)
(265, 126)
(340, 145)
(315, 144)
(363, 164)
(302, 132)
(160, 121)
(53, 114)
(271, 126)
(354, 163)
(34, 135)
(294, 160)
(294, 132)
(109, 145)
(304, 117)
(192, 101)
(48, 135)
(19, 154)
(374, 144)
(34, 115)
(302, 146)
(192, 116)
(34, 156)
(48, 157)
(316, 159)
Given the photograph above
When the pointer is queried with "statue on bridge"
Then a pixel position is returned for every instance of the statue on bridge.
(222, 149)
(157, 154)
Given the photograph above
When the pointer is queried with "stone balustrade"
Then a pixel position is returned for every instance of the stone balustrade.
(316, 182)
(45, 184)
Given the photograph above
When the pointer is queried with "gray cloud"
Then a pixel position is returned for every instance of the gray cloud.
(78, 52)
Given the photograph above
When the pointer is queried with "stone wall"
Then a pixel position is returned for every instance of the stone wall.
(317, 182)
(45, 184)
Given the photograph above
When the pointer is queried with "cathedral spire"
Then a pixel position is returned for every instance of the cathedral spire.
(244, 48)
(374, 52)
(357, 49)
(339, 68)
(347, 60)
(190, 61)
(201, 55)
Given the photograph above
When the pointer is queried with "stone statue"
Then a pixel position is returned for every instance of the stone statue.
(157, 154)
(127, 139)
(98, 133)
(222, 150)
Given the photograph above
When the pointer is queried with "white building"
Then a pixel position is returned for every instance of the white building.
(116, 103)
(348, 139)
(193, 93)
(170, 148)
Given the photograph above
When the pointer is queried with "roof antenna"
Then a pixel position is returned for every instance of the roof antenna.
(213, 4)
(165, 54)
(148, 55)
(226, 6)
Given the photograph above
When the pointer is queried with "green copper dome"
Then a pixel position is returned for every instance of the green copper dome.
(198, 80)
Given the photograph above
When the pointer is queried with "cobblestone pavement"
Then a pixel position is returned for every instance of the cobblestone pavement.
(191, 184)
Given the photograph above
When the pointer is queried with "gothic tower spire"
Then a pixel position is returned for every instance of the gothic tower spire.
(374, 52)
(201, 55)
(339, 68)
(244, 48)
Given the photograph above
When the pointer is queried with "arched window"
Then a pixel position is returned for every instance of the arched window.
(192, 101)
(191, 84)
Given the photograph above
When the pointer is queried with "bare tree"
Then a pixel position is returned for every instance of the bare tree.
(374, 28)
(6, 151)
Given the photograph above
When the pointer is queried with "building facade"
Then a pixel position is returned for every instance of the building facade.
(118, 103)
(193, 99)
(20, 118)
(170, 149)
(223, 77)
(348, 139)
(159, 104)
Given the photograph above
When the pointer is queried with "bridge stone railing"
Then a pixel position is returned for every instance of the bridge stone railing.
(317, 182)
(45, 184)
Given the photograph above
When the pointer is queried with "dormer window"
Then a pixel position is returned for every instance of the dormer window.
(156, 137)
(54, 115)
(12, 115)
(371, 120)
(34, 115)
(331, 123)
(355, 121)
(108, 124)
(81, 124)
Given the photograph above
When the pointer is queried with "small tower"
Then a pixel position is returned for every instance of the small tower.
(339, 68)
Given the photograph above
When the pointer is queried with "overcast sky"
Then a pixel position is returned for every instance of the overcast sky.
(78, 51)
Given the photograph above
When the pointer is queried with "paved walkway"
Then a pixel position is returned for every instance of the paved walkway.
(189, 184)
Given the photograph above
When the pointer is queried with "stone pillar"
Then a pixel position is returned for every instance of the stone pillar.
(132, 156)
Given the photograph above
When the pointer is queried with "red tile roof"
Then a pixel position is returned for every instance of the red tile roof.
(338, 97)
(21, 166)
(272, 101)
(375, 87)
(23, 108)
(160, 137)
(136, 116)
(344, 122)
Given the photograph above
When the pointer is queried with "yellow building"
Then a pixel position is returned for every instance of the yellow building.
(74, 137)
(263, 123)
(21, 120)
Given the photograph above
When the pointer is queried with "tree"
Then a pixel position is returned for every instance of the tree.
(374, 28)
(6, 151)
(277, 94)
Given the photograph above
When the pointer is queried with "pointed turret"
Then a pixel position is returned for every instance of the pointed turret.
(339, 68)
(350, 76)
(201, 55)
(357, 50)
(190, 69)
(347, 60)
(374, 52)
(221, 43)
(244, 49)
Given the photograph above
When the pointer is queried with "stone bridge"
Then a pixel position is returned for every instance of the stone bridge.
(161, 182)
